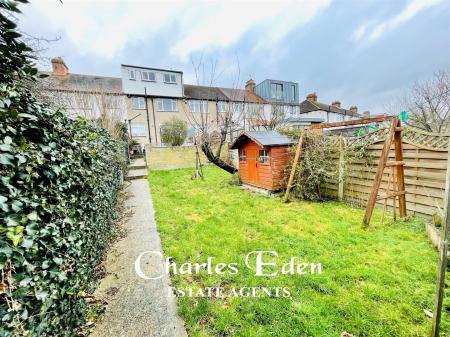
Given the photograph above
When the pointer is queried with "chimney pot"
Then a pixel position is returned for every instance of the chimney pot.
(312, 97)
(249, 85)
(366, 114)
(59, 67)
(336, 104)
(354, 109)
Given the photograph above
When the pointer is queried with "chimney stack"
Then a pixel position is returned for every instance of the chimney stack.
(59, 67)
(249, 85)
(336, 104)
(366, 114)
(312, 97)
(354, 109)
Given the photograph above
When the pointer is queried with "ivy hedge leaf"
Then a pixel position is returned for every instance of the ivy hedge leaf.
(59, 182)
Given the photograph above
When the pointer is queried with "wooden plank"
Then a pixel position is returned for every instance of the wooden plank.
(395, 163)
(352, 122)
(390, 195)
(379, 174)
(294, 166)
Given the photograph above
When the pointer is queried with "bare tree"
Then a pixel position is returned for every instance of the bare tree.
(213, 131)
(428, 103)
(266, 116)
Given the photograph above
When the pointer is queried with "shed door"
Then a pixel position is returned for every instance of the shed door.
(252, 163)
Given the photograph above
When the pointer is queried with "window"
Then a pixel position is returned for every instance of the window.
(254, 108)
(198, 106)
(138, 103)
(276, 90)
(237, 107)
(221, 106)
(263, 156)
(242, 155)
(170, 78)
(137, 130)
(148, 76)
(293, 92)
(166, 104)
(132, 74)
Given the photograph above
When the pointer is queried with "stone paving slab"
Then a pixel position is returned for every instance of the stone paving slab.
(137, 307)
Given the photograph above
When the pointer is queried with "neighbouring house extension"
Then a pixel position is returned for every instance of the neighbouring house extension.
(263, 157)
(280, 94)
(89, 96)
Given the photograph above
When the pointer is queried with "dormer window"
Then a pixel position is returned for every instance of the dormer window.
(148, 76)
(132, 75)
(170, 78)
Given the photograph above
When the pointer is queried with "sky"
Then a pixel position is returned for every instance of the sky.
(360, 52)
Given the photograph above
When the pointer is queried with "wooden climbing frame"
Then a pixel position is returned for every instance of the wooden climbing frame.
(398, 176)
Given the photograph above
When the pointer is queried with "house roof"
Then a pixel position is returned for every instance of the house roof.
(84, 83)
(262, 138)
(203, 92)
(308, 106)
(241, 95)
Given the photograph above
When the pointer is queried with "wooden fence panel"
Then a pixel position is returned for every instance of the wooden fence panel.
(425, 156)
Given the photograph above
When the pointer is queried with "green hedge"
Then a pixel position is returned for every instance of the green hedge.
(59, 180)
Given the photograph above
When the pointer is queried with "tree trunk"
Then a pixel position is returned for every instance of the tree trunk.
(206, 149)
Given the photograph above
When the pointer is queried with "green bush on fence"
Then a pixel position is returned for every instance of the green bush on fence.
(59, 180)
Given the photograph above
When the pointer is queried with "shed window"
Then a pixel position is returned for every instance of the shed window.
(242, 155)
(263, 156)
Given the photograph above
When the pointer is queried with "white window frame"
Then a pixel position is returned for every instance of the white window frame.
(137, 129)
(237, 107)
(160, 105)
(264, 158)
(132, 74)
(200, 106)
(172, 78)
(147, 74)
(221, 106)
(140, 102)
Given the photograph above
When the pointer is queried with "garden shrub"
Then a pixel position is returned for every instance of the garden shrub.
(58, 190)
(174, 132)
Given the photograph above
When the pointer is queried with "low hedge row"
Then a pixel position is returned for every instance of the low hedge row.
(59, 180)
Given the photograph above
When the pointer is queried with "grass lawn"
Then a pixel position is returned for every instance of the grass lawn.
(375, 282)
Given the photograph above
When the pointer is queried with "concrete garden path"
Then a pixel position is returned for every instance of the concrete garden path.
(137, 307)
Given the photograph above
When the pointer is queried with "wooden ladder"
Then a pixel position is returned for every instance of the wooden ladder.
(394, 135)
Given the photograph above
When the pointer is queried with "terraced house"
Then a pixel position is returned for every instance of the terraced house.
(157, 95)
(146, 97)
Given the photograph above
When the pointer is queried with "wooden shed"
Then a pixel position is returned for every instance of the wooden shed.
(263, 156)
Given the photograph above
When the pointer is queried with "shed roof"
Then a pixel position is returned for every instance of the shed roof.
(262, 138)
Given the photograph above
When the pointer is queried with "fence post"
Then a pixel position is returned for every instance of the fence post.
(443, 251)
(342, 146)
